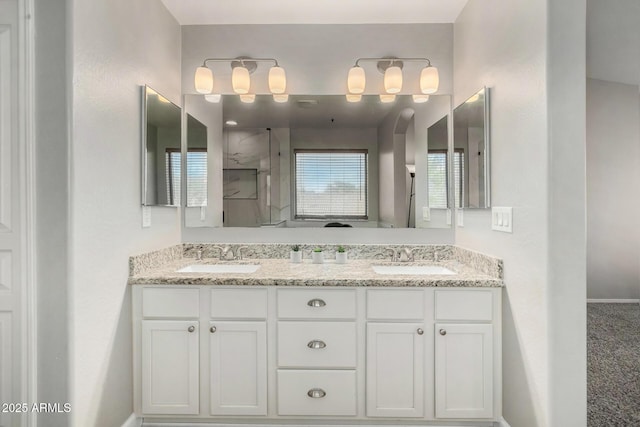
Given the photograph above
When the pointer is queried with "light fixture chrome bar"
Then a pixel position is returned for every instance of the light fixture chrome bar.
(427, 60)
(241, 59)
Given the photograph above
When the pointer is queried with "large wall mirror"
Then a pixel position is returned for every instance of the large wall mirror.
(318, 160)
(471, 152)
(161, 157)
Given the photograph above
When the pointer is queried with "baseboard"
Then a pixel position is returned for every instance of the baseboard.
(503, 423)
(612, 301)
(133, 421)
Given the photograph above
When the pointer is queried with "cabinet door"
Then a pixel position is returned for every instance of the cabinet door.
(170, 370)
(395, 370)
(464, 370)
(238, 363)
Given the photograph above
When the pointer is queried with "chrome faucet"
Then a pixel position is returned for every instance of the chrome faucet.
(239, 252)
(224, 253)
(394, 255)
(405, 255)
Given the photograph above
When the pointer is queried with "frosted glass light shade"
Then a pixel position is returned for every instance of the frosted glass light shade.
(240, 80)
(203, 80)
(419, 99)
(384, 97)
(356, 80)
(248, 98)
(281, 97)
(277, 80)
(213, 97)
(353, 97)
(429, 80)
(393, 79)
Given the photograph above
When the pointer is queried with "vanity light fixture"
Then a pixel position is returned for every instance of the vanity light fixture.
(393, 79)
(420, 98)
(242, 68)
(352, 97)
(281, 97)
(231, 123)
(385, 97)
(213, 97)
(248, 98)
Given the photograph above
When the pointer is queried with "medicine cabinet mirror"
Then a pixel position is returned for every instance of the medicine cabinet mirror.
(471, 152)
(161, 158)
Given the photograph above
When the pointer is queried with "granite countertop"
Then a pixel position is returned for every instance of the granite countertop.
(281, 272)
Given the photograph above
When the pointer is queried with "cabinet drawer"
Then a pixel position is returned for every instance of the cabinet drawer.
(317, 344)
(171, 303)
(464, 305)
(337, 388)
(238, 304)
(399, 304)
(316, 304)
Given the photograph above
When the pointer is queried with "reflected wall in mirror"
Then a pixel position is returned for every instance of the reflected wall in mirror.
(300, 151)
(196, 162)
(161, 156)
(471, 157)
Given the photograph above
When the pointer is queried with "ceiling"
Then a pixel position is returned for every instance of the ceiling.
(208, 12)
(317, 111)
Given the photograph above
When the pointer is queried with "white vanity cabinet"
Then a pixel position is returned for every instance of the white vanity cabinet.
(467, 361)
(286, 355)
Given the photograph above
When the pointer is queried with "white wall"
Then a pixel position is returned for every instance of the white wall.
(537, 161)
(613, 209)
(117, 47)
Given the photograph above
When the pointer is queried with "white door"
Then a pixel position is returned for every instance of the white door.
(12, 213)
(238, 366)
(464, 370)
(395, 370)
(170, 372)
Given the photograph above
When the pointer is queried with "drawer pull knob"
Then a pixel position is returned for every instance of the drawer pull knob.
(316, 344)
(191, 328)
(316, 393)
(443, 332)
(420, 331)
(316, 302)
(213, 329)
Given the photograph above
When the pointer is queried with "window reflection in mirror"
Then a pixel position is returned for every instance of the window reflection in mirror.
(265, 136)
(196, 162)
(471, 158)
(161, 150)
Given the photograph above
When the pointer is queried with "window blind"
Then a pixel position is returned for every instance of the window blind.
(437, 176)
(458, 176)
(196, 176)
(330, 184)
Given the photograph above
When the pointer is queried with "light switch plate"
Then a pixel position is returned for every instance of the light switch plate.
(146, 216)
(502, 219)
(459, 217)
(203, 213)
(449, 217)
(426, 213)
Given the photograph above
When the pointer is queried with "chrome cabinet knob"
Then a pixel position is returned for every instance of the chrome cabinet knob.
(420, 331)
(443, 332)
(212, 329)
(316, 393)
(316, 344)
(191, 328)
(316, 302)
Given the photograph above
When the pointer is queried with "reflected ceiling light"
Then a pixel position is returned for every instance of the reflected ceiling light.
(231, 123)
(353, 97)
(387, 97)
(203, 80)
(242, 68)
(213, 97)
(429, 79)
(356, 80)
(393, 75)
(281, 97)
(248, 98)
(277, 80)
(419, 99)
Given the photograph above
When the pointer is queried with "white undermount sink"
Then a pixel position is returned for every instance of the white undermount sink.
(411, 269)
(220, 268)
